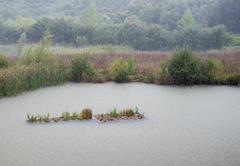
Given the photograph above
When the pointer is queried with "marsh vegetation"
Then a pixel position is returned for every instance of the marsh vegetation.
(85, 114)
(38, 67)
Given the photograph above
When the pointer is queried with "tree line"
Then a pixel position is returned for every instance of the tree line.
(141, 24)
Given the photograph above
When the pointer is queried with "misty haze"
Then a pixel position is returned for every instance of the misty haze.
(119, 82)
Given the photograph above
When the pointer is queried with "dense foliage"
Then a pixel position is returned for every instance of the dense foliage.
(81, 68)
(182, 68)
(141, 24)
(186, 68)
(120, 69)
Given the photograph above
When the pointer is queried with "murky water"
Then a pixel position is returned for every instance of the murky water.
(185, 126)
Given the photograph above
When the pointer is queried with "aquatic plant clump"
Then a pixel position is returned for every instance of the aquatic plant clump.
(126, 114)
(85, 114)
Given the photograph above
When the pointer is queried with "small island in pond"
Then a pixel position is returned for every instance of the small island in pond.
(86, 114)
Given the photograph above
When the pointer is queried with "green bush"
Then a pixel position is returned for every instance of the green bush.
(120, 69)
(234, 40)
(209, 71)
(183, 67)
(66, 116)
(82, 69)
(3, 61)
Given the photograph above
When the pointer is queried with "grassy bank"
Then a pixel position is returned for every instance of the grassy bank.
(39, 67)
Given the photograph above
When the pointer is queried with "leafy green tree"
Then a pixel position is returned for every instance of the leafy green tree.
(89, 15)
(227, 12)
(187, 21)
(216, 37)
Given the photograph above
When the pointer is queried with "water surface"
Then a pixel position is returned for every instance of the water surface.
(185, 126)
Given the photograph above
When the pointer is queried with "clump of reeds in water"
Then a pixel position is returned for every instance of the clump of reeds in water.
(85, 114)
(126, 114)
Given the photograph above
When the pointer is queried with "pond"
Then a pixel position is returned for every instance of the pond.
(186, 126)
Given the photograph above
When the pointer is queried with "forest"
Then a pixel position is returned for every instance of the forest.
(147, 25)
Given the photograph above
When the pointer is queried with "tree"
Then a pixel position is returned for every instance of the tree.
(187, 21)
(36, 31)
(227, 12)
(89, 15)
(81, 41)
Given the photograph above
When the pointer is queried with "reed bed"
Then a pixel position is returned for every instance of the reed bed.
(22, 78)
(40, 68)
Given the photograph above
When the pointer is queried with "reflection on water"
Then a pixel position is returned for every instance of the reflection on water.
(184, 126)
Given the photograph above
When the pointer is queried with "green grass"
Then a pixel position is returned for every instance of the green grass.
(66, 50)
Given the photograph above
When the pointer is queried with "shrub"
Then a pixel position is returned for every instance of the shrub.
(82, 69)
(209, 71)
(3, 61)
(121, 69)
(232, 79)
(66, 116)
(183, 67)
